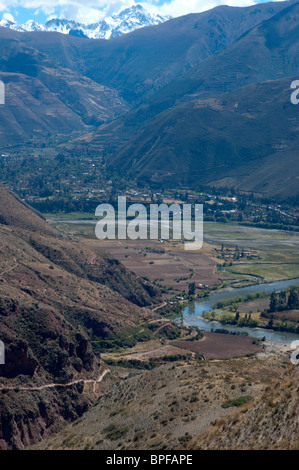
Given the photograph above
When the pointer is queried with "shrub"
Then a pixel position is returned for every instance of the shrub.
(236, 402)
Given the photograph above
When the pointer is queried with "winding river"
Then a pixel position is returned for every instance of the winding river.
(193, 312)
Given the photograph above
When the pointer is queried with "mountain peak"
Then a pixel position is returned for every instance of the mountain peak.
(126, 21)
(137, 7)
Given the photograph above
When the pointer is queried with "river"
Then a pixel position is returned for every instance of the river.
(193, 312)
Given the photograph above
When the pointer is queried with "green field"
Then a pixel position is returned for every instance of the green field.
(276, 252)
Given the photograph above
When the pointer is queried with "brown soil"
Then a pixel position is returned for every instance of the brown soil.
(175, 268)
(165, 407)
(220, 346)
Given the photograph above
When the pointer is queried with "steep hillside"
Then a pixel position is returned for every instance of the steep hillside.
(269, 423)
(246, 139)
(126, 21)
(267, 51)
(165, 408)
(142, 62)
(56, 297)
(59, 86)
(44, 100)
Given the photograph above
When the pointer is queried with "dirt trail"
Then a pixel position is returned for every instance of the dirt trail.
(159, 306)
(10, 269)
(162, 326)
(53, 385)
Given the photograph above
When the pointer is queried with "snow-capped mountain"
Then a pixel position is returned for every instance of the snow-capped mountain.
(111, 27)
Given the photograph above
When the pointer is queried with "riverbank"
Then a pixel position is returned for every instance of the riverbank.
(193, 314)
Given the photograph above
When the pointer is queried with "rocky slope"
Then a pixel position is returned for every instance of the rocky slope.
(220, 116)
(164, 409)
(269, 423)
(55, 298)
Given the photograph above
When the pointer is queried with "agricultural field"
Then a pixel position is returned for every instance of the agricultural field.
(270, 255)
(275, 253)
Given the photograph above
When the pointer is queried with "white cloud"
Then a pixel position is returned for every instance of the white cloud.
(8, 17)
(89, 11)
(85, 11)
(183, 7)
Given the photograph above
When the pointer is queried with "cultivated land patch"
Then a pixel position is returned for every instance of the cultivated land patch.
(276, 255)
(166, 264)
(221, 346)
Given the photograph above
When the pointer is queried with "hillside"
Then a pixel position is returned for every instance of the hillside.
(142, 62)
(45, 101)
(108, 28)
(246, 139)
(268, 51)
(132, 99)
(228, 121)
(55, 298)
(166, 408)
(269, 423)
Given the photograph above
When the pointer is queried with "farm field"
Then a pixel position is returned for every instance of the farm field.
(276, 255)
(221, 346)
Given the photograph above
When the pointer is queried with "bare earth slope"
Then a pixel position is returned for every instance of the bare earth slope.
(270, 422)
(55, 297)
(166, 407)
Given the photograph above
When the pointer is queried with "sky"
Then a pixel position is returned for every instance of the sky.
(91, 11)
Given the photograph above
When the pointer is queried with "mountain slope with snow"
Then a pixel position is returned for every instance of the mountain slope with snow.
(125, 22)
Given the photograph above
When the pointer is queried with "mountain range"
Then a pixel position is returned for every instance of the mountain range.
(199, 99)
(111, 27)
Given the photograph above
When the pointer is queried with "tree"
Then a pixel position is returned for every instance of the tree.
(192, 286)
(270, 323)
(293, 300)
(273, 303)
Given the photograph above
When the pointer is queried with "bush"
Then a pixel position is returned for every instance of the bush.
(113, 432)
(236, 402)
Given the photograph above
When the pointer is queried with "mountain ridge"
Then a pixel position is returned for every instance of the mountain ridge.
(251, 142)
(56, 296)
(144, 74)
(126, 21)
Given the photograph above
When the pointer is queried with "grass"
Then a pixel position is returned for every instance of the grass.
(114, 432)
(236, 402)
(269, 272)
(278, 254)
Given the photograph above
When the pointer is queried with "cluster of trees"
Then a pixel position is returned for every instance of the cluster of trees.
(284, 300)
(245, 321)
